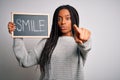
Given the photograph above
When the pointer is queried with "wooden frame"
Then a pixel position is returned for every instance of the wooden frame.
(32, 27)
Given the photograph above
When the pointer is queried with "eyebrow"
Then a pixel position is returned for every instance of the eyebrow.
(65, 15)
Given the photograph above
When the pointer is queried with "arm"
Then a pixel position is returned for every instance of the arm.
(82, 37)
(24, 57)
(85, 48)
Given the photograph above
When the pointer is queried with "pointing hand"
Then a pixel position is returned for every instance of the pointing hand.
(81, 34)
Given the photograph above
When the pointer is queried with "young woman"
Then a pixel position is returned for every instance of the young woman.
(62, 56)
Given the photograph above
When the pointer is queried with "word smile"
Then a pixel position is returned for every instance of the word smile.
(30, 25)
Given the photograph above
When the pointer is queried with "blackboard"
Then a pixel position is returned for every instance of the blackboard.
(31, 25)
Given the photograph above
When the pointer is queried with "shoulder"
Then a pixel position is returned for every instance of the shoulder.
(42, 41)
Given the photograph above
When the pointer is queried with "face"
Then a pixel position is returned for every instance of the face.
(64, 22)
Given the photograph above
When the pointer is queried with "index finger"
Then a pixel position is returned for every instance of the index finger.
(76, 28)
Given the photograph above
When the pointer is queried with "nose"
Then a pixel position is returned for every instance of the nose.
(63, 21)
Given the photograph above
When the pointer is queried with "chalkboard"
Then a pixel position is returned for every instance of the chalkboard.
(31, 25)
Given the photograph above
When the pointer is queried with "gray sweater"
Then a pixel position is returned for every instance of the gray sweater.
(66, 63)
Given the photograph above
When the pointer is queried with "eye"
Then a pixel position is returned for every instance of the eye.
(59, 19)
(68, 18)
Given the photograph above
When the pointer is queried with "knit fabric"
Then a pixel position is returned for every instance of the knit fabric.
(65, 64)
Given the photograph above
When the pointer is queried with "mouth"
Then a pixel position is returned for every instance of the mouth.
(62, 28)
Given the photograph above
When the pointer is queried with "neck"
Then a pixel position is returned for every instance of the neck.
(70, 34)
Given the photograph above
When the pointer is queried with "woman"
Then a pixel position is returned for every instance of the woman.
(62, 56)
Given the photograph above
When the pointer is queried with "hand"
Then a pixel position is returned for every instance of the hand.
(11, 27)
(81, 34)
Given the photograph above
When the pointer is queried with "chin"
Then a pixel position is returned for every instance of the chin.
(63, 32)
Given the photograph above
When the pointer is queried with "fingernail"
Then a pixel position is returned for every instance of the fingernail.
(74, 25)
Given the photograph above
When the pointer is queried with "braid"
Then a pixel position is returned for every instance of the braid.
(50, 43)
(55, 33)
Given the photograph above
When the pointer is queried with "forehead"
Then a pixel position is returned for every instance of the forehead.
(64, 12)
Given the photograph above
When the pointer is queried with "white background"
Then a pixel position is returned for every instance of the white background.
(102, 17)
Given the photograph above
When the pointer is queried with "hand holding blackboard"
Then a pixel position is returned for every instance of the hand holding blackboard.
(31, 25)
(11, 27)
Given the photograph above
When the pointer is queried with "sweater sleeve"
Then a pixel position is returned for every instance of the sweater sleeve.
(84, 49)
(24, 57)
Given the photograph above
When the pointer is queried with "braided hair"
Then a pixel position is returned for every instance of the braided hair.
(55, 33)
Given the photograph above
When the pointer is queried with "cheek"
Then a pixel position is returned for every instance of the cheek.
(59, 24)
(70, 26)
